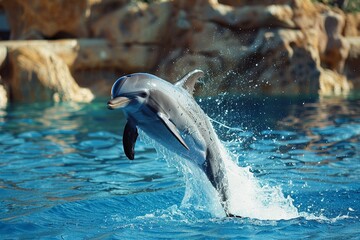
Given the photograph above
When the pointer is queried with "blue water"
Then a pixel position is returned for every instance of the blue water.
(63, 174)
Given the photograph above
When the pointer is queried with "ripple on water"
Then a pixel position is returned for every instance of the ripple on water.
(105, 135)
(30, 134)
(338, 133)
(8, 139)
(96, 144)
(54, 132)
(65, 176)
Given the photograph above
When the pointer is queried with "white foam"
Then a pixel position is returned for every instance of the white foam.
(248, 197)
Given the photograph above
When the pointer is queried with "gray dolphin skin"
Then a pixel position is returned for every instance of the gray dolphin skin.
(169, 114)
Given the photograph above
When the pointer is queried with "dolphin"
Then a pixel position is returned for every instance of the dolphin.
(169, 114)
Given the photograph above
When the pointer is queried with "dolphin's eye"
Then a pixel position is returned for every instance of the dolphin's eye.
(143, 94)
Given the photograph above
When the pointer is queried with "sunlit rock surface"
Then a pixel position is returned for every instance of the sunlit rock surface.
(3, 92)
(352, 25)
(38, 74)
(261, 46)
(3, 96)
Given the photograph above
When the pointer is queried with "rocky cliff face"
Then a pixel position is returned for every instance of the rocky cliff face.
(262, 46)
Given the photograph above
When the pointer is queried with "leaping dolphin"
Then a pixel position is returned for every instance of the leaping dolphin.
(169, 114)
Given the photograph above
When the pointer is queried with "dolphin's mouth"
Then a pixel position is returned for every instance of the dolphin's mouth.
(118, 102)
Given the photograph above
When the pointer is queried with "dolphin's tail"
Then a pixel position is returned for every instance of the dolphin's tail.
(232, 215)
(215, 171)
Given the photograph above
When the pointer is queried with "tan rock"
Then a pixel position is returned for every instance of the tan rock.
(352, 25)
(352, 70)
(3, 89)
(354, 43)
(305, 14)
(100, 54)
(80, 54)
(95, 63)
(40, 75)
(3, 55)
(65, 49)
(286, 65)
(332, 83)
(135, 23)
(215, 41)
(3, 96)
(334, 49)
(276, 62)
(248, 17)
(271, 46)
(38, 19)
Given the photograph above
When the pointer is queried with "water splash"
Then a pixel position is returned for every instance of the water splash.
(251, 198)
(195, 181)
(248, 197)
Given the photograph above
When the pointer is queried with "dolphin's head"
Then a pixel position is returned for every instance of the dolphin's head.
(130, 92)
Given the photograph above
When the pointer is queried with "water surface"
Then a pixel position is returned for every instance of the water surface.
(63, 173)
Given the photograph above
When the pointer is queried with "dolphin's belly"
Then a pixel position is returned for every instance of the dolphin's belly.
(157, 131)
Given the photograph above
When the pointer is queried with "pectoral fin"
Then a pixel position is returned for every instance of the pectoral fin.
(129, 138)
(172, 128)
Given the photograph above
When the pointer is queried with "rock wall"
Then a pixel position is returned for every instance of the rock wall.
(39, 74)
(261, 46)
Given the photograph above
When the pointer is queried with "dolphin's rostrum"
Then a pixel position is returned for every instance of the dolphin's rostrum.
(169, 114)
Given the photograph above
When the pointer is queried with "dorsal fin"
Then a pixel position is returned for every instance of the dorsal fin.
(188, 81)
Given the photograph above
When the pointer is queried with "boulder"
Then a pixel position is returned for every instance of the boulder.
(37, 74)
(39, 19)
